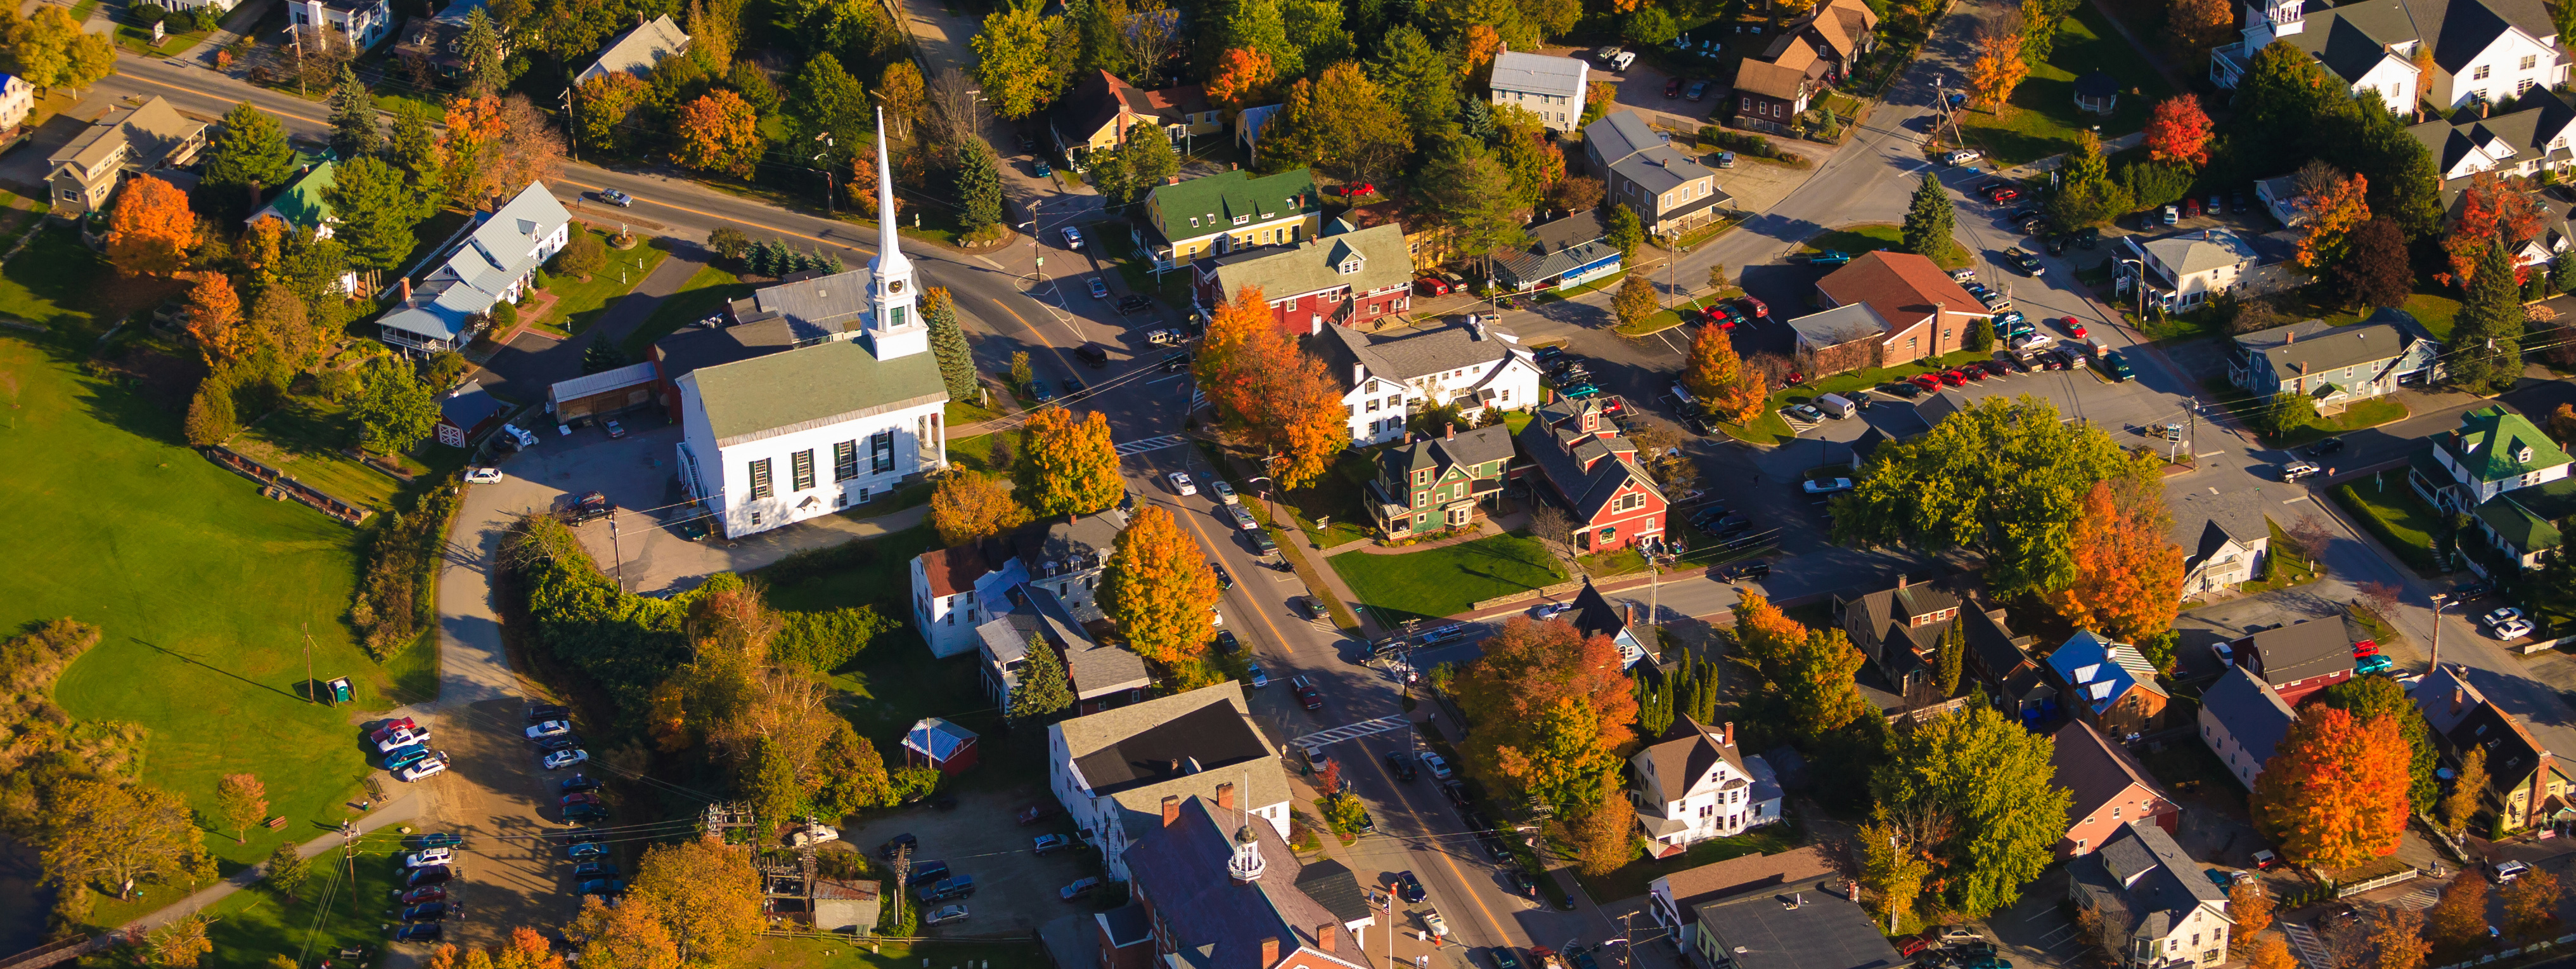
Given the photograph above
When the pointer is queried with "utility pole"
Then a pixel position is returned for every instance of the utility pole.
(617, 559)
(902, 874)
(308, 662)
(2440, 600)
(826, 159)
(572, 129)
(349, 854)
(298, 37)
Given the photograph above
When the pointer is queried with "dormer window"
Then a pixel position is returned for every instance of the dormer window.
(2523, 455)
(1243, 220)
(1350, 265)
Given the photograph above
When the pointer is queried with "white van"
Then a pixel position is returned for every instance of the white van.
(1683, 395)
(1836, 405)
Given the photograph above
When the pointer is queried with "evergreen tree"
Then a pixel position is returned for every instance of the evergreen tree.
(1931, 219)
(2488, 333)
(480, 49)
(948, 343)
(287, 870)
(353, 117)
(249, 151)
(1954, 651)
(414, 149)
(1043, 692)
(210, 416)
(979, 188)
(1478, 120)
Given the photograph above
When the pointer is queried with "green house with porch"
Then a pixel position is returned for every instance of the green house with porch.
(1439, 483)
(2510, 478)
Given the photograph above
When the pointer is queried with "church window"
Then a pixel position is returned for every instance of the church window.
(881, 451)
(800, 467)
(845, 460)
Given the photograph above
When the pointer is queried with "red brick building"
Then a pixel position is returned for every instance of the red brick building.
(1593, 473)
(1924, 312)
(1346, 277)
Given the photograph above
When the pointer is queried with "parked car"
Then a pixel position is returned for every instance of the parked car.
(1099, 289)
(2501, 616)
(430, 876)
(592, 507)
(1047, 844)
(432, 767)
(594, 869)
(1181, 483)
(2507, 871)
(428, 857)
(1829, 258)
(548, 711)
(2117, 366)
(550, 728)
(1401, 766)
(1828, 486)
(407, 756)
(423, 895)
(565, 758)
(1307, 695)
(1072, 238)
(898, 843)
(946, 889)
(1080, 888)
(1431, 286)
(480, 475)
(402, 738)
(425, 912)
(422, 932)
(1698, 90)
(1408, 887)
(1260, 678)
(2025, 262)
(1439, 766)
(602, 887)
(1242, 518)
(1673, 87)
(2331, 445)
(945, 915)
(585, 797)
(925, 872)
(614, 429)
(1133, 302)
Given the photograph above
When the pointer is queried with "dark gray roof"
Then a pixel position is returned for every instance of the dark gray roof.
(1483, 445)
(1213, 921)
(691, 349)
(2213, 537)
(2538, 118)
(1076, 545)
(1402, 356)
(816, 308)
(1594, 615)
(1096, 668)
(2351, 38)
(1630, 147)
(2250, 711)
(1127, 925)
(1993, 650)
(2094, 769)
(1332, 885)
(1210, 735)
(469, 406)
(2143, 881)
(1808, 928)
(2099, 84)
(2298, 651)
(812, 387)
(1588, 470)
(1556, 248)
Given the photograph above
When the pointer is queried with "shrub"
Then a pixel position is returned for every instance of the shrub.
(145, 14)
(824, 641)
(624, 643)
(504, 316)
(584, 255)
(210, 415)
(394, 601)
(728, 242)
(336, 385)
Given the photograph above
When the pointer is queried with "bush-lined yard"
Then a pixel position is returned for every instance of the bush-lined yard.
(2400, 518)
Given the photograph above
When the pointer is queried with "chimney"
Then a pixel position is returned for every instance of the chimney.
(1225, 796)
(406, 289)
(1453, 432)
(1900, 582)
(1171, 809)
(2293, 337)
(1852, 890)
(1726, 734)
(1269, 951)
(1408, 437)
(1326, 935)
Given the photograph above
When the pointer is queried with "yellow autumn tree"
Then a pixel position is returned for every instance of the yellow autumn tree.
(1158, 588)
(2329, 233)
(2128, 576)
(1997, 70)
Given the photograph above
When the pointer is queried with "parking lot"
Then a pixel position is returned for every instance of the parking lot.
(495, 795)
(1015, 889)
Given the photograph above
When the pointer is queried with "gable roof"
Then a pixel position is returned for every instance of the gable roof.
(815, 308)
(937, 738)
(952, 570)
(638, 50)
(1595, 616)
(2143, 883)
(501, 250)
(153, 129)
(810, 387)
(2490, 444)
(2202, 250)
(2249, 709)
(2465, 143)
(2095, 770)
(1992, 646)
(2299, 651)
(1335, 887)
(1225, 195)
(1799, 868)
(1538, 74)
(305, 203)
(2512, 752)
(1901, 286)
(1839, 23)
(469, 405)
(1400, 356)
(1483, 445)
(1589, 470)
(1780, 79)
(2102, 671)
(1556, 248)
(1811, 928)
(2214, 538)
(1627, 145)
(2319, 347)
(1213, 921)
(1135, 745)
(1685, 755)
(1316, 264)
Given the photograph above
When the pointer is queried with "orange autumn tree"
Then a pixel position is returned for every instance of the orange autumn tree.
(1483, 45)
(2329, 233)
(1158, 588)
(1997, 70)
(526, 949)
(471, 145)
(2128, 577)
(214, 318)
(718, 133)
(2491, 211)
(149, 231)
(1242, 77)
(2178, 131)
(1275, 393)
(1553, 709)
(2334, 793)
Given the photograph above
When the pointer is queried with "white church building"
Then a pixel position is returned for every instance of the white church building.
(789, 436)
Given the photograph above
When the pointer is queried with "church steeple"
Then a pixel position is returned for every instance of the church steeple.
(895, 329)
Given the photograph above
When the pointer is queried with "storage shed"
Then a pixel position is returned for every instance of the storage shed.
(934, 742)
(602, 394)
(465, 412)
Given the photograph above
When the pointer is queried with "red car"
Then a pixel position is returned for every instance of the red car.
(1925, 381)
(1431, 286)
(1794, 380)
(1953, 378)
(1755, 306)
(585, 797)
(1673, 88)
(1035, 813)
(391, 727)
(1911, 946)
(2367, 647)
(2074, 327)
(1357, 189)
(1973, 372)
(424, 895)
(1716, 317)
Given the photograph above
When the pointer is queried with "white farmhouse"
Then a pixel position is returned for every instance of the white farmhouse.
(493, 265)
(1550, 87)
(1120, 773)
(1386, 378)
(2189, 268)
(790, 436)
(2479, 50)
(1697, 785)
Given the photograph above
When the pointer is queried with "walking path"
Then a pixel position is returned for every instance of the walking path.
(1485, 528)
(397, 811)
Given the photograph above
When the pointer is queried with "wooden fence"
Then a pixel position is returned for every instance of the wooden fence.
(283, 485)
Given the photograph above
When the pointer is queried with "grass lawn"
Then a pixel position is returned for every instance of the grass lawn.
(2392, 511)
(704, 295)
(2436, 311)
(579, 302)
(1633, 878)
(1770, 429)
(1875, 236)
(2287, 566)
(50, 283)
(2042, 118)
(1445, 581)
(304, 437)
(1659, 322)
(1625, 561)
(896, 681)
(200, 585)
(252, 926)
(978, 452)
(139, 40)
(1336, 496)
(1598, 285)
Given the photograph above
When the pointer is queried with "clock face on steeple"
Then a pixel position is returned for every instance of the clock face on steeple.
(894, 287)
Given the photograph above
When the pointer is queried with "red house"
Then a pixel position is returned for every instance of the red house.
(1594, 474)
(1346, 277)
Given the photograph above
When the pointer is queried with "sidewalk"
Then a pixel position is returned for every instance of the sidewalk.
(398, 811)
(1485, 528)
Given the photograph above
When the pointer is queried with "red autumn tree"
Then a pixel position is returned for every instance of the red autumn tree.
(1274, 392)
(214, 318)
(149, 230)
(2178, 131)
(2128, 577)
(1242, 77)
(1554, 711)
(2490, 211)
(2334, 793)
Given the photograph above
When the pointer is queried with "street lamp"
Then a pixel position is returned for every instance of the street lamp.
(828, 145)
(2441, 600)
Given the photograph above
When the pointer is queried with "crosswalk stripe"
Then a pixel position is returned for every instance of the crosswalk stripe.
(1133, 448)
(1351, 732)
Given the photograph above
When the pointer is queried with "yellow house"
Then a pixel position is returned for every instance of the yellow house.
(1101, 110)
(1227, 212)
